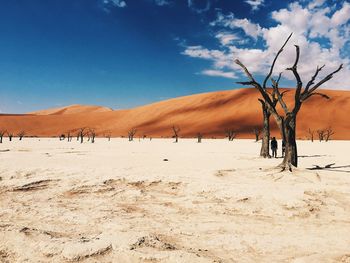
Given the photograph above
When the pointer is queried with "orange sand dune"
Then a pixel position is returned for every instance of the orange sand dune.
(208, 113)
(73, 109)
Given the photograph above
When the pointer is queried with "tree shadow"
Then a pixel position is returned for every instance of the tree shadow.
(331, 167)
(308, 156)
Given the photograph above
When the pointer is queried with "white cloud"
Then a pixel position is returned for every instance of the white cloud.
(199, 6)
(321, 33)
(229, 21)
(341, 16)
(255, 4)
(219, 73)
(316, 3)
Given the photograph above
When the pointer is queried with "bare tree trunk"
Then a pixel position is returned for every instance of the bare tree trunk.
(81, 138)
(265, 142)
(291, 155)
(199, 137)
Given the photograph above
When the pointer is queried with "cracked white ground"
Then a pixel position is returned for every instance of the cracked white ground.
(217, 201)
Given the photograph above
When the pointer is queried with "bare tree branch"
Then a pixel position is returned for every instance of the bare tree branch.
(294, 69)
(311, 82)
(325, 79)
(315, 93)
(274, 61)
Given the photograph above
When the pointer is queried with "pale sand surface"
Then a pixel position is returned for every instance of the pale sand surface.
(118, 201)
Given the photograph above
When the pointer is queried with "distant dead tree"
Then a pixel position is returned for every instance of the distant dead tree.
(131, 134)
(10, 135)
(2, 133)
(62, 137)
(108, 135)
(321, 135)
(230, 134)
(21, 135)
(287, 121)
(176, 130)
(257, 133)
(328, 133)
(199, 137)
(69, 136)
(311, 134)
(92, 134)
(81, 133)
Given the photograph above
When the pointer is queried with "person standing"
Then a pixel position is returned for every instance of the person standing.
(274, 147)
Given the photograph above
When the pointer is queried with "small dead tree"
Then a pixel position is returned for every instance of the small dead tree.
(10, 135)
(21, 135)
(69, 136)
(108, 135)
(131, 134)
(328, 133)
(176, 130)
(321, 135)
(287, 121)
(230, 134)
(257, 133)
(311, 134)
(199, 137)
(2, 133)
(81, 133)
(92, 134)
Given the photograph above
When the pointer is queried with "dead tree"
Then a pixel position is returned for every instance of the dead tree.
(230, 134)
(2, 133)
(92, 134)
(69, 136)
(176, 130)
(21, 135)
(131, 134)
(199, 137)
(257, 133)
(321, 134)
(10, 135)
(311, 133)
(287, 121)
(108, 135)
(81, 133)
(328, 133)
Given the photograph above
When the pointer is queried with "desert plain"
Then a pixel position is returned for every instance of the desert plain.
(159, 201)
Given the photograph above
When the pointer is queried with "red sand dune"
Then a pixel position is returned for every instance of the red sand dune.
(208, 113)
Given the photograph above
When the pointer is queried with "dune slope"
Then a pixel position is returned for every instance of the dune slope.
(208, 113)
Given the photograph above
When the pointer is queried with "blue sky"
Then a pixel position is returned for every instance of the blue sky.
(125, 53)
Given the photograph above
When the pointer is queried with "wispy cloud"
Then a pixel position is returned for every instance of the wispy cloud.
(219, 73)
(162, 2)
(108, 5)
(230, 21)
(255, 4)
(227, 38)
(199, 6)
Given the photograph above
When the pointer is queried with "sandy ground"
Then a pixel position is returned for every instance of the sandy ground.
(119, 201)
